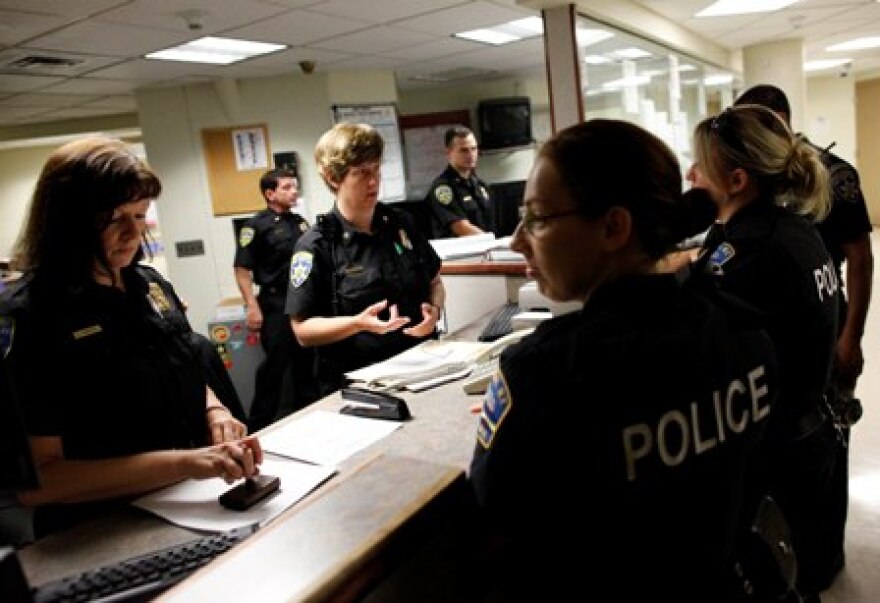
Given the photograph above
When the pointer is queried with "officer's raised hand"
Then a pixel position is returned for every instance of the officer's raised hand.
(369, 319)
(430, 316)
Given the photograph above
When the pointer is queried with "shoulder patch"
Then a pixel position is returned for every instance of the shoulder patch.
(721, 256)
(300, 267)
(7, 334)
(245, 236)
(443, 193)
(496, 405)
(844, 183)
(303, 226)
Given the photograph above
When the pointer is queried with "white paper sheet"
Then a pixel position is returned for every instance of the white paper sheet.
(193, 503)
(325, 438)
(429, 360)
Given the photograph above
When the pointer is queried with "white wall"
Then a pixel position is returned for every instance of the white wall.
(831, 114)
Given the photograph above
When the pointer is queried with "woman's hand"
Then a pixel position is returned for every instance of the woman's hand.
(222, 426)
(369, 320)
(230, 461)
(430, 316)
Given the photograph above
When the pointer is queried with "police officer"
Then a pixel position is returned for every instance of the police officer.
(625, 428)
(111, 382)
(265, 243)
(459, 199)
(364, 282)
(846, 234)
(768, 186)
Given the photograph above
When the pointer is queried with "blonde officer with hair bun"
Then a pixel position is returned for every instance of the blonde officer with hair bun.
(364, 282)
(627, 427)
(770, 188)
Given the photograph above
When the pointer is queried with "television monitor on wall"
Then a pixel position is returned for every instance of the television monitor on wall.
(505, 122)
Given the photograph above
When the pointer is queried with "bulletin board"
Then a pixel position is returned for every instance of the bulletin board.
(236, 158)
(383, 117)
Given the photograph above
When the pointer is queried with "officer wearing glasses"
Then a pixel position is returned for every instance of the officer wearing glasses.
(364, 282)
(652, 397)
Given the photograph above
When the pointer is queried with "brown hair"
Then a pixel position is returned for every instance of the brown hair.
(606, 163)
(80, 185)
(344, 146)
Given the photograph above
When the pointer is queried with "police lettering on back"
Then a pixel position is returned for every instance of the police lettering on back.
(676, 436)
(827, 283)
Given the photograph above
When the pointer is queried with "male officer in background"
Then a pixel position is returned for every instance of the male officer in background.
(284, 381)
(846, 234)
(459, 199)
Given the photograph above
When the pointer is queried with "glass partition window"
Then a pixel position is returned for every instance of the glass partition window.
(630, 78)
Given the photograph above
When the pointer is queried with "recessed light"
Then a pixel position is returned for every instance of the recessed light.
(723, 8)
(631, 53)
(821, 64)
(717, 80)
(596, 59)
(216, 51)
(857, 44)
(506, 32)
(588, 37)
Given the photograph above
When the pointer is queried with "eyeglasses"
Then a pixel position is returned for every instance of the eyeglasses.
(534, 224)
(366, 170)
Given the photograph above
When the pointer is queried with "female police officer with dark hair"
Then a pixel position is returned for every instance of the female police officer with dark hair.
(625, 428)
(112, 380)
(769, 186)
(364, 271)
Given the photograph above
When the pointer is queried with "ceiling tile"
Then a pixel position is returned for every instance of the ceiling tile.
(463, 17)
(35, 99)
(149, 69)
(75, 9)
(113, 39)
(374, 40)
(380, 11)
(17, 27)
(215, 16)
(25, 83)
(83, 62)
(297, 28)
(93, 85)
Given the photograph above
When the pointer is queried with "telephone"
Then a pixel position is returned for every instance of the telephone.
(486, 362)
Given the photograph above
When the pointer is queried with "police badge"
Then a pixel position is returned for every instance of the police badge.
(404, 239)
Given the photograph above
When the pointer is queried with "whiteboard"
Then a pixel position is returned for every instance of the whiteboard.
(383, 117)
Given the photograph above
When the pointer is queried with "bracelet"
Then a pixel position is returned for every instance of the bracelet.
(215, 407)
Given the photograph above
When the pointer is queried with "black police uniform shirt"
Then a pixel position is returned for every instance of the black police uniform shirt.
(775, 260)
(848, 219)
(111, 372)
(265, 243)
(339, 271)
(624, 428)
(454, 198)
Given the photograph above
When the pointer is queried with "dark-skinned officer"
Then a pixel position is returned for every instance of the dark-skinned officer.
(266, 242)
(459, 199)
(364, 282)
(625, 428)
(770, 187)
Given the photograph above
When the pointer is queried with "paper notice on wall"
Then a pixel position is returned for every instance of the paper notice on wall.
(249, 145)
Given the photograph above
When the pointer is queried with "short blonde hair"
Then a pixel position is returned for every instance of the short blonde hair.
(757, 140)
(344, 146)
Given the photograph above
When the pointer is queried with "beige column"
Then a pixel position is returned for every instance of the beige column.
(563, 73)
(780, 63)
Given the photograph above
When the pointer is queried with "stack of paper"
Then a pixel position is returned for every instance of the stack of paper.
(462, 247)
(430, 360)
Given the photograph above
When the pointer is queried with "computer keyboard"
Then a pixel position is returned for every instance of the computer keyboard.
(144, 577)
(499, 325)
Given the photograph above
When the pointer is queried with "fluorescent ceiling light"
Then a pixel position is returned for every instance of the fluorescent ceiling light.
(587, 37)
(689, 67)
(723, 8)
(596, 59)
(857, 44)
(506, 32)
(631, 53)
(717, 80)
(821, 64)
(217, 51)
